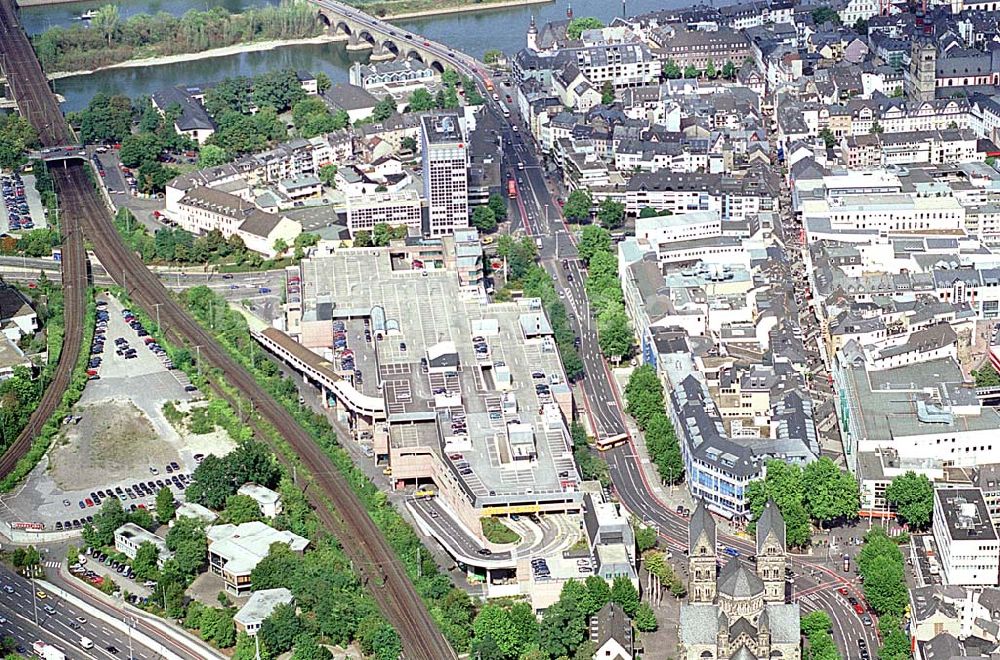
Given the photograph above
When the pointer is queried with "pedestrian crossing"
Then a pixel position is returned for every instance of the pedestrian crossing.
(51, 564)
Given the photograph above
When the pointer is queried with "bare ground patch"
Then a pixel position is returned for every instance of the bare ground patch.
(114, 441)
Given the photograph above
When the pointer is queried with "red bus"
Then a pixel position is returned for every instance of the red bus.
(511, 188)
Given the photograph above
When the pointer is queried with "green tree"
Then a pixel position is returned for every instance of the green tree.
(671, 70)
(876, 128)
(307, 648)
(247, 648)
(986, 376)
(645, 538)
(420, 101)
(895, 642)
(610, 213)
(384, 108)
(498, 206)
(106, 21)
(885, 585)
(593, 239)
(139, 149)
(382, 234)
(363, 238)
(912, 495)
(279, 90)
(649, 212)
(625, 594)
(187, 540)
(408, 144)
(378, 639)
(492, 56)
(494, 623)
(106, 521)
(825, 14)
(690, 71)
(614, 334)
(729, 70)
(578, 25)
(145, 562)
(212, 155)
(828, 138)
(644, 395)
(598, 593)
(323, 82)
(241, 509)
(645, 619)
(607, 93)
(832, 493)
(710, 71)
(578, 205)
(484, 219)
(165, 507)
(17, 136)
(861, 27)
(328, 175)
(281, 628)
(815, 622)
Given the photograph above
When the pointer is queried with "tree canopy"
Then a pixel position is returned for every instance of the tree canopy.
(913, 497)
(578, 205)
(578, 25)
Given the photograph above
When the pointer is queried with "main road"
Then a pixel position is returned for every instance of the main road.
(816, 580)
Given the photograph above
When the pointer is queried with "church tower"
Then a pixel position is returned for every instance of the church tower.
(921, 76)
(533, 35)
(771, 553)
(701, 556)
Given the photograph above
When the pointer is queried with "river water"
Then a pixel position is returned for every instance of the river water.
(473, 33)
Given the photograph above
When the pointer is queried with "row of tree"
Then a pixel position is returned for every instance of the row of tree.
(672, 70)
(109, 39)
(17, 136)
(510, 631)
(579, 208)
(604, 290)
(820, 493)
(485, 217)
(645, 402)
(523, 272)
(881, 566)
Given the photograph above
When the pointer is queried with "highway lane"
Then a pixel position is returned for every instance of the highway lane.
(64, 628)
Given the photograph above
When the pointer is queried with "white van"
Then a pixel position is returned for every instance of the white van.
(86, 642)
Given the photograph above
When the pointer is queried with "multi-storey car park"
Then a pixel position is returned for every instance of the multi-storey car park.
(448, 387)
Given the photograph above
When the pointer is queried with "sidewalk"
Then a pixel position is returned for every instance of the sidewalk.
(156, 626)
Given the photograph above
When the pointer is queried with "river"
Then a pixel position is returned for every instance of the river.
(473, 33)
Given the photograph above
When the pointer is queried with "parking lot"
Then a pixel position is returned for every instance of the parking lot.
(117, 442)
(20, 203)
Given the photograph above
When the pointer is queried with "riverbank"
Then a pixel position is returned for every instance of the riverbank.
(226, 51)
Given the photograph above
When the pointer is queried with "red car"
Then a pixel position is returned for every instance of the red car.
(89, 502)
(843, 591)
(858, 608)
(91, 372)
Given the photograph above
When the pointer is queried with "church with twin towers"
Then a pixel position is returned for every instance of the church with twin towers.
(735, 612)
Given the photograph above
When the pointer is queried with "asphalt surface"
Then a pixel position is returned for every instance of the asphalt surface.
(61, 629)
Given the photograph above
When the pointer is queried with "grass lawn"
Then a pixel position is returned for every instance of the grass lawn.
(497, 532)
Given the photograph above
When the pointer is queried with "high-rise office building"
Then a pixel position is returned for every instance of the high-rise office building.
(446, 174)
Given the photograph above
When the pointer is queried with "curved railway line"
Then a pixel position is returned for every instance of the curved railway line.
(19, 64)
(85, 215)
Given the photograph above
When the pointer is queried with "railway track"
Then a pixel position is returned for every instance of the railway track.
(86, 215)
(19, 64)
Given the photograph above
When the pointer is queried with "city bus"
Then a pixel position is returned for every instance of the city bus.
(606, 443)
(511, 188)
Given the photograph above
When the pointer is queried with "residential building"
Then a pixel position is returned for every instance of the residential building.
(17, 317)
(234, 551)
(193, 120)
(392, 208)
(203, 210)
(611, 632)
(446, 173)
(268, 500)
(693, 47)
(967, 543)
(129, 537)
(259, 607)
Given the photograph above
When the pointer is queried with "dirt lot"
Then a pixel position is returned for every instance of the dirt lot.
(114, 441)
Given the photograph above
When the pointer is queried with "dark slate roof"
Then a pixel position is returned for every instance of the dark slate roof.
(770, 522)
(738, 581)
(702, 522)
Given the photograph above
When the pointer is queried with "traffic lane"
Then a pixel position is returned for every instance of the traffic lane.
(631, 488)
(65, 624)
(445, 528)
